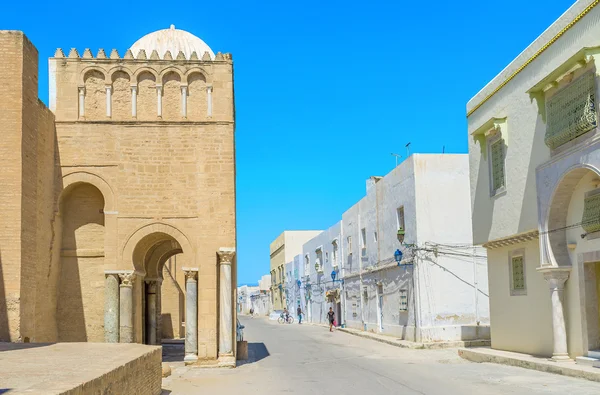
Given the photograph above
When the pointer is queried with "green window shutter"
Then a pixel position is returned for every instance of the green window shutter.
(497, 153)
(591, 214)
(518, 274)
(571, 112)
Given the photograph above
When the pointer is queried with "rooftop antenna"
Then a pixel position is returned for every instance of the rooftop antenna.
(407, 149)
(397, 156)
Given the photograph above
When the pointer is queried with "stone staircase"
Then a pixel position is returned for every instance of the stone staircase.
(592, 359)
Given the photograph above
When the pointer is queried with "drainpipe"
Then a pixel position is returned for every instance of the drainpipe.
(360, 276)
(342, 274)
(476, 286)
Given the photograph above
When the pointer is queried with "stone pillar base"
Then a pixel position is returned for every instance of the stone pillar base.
(227, 360)
(561, 358)
(190, 359)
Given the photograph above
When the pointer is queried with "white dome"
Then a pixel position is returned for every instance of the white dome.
(173, 40)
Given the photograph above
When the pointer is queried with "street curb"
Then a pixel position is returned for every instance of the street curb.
(415, 345)
(570, 369)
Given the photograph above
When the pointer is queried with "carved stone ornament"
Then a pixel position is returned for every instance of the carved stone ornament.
(191, 275)
(127, 279)
(226, 257)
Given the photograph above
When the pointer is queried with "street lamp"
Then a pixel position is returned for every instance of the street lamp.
(333, 274)
(398, 256)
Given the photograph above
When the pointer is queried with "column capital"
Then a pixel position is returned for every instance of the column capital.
(226, 255)
(556, 276)
(191, 273)
(209, 87)
(127, 279)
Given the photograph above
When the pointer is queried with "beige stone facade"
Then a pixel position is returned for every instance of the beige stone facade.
(282, 250)
(132, 170)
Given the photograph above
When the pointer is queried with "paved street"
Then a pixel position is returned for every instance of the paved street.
(307, 359)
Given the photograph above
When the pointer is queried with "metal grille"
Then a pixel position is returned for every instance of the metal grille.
(591, 214)
(518, 275)
(571, 112)
(497, 150)
(403, 300)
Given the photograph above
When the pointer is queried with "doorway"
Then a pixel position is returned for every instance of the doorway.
(380, 307)
(592, 303)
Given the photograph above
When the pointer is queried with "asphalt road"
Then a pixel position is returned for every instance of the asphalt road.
(306, 359)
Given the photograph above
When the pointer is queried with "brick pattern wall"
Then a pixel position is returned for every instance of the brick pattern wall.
(169, 170)
(27, 149)
(11, 66)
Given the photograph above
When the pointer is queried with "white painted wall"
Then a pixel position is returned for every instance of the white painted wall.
(516, 210)
(434, 191)
(524, 323)
(321, 281)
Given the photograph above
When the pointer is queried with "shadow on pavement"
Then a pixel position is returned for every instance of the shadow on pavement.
(256, 352)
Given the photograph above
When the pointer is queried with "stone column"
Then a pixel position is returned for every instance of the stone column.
(225, 306)
(191, 314)
(209, 100)
(159, 100)
(556, 278)
(126, 307)
(134, 101)
(108, 101)
(81, 101)
(184, 101)
(159, 312)
(151, 308)
(111, 307)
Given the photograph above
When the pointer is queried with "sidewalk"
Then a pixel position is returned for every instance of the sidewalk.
(572, 369)
(393, 341)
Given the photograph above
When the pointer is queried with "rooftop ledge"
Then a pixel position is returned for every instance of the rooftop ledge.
(535, 49)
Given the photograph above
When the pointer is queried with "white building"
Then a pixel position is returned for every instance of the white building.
(534, 148)
(320, 257)
(244, 293)
(439, 292)
(256, 297)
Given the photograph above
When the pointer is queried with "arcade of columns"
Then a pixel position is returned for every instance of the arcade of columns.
(118, 309)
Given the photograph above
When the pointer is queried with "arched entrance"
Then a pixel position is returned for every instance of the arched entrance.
(570, 247)
(149, 258)
(78, 308)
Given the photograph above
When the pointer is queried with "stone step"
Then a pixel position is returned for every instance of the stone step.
(587, 361)
(594, 354)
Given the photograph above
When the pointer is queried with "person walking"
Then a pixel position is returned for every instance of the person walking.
(299, 312)
(331, 318)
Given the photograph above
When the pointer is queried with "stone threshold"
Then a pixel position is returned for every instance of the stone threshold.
(527, 361)
(394, 341)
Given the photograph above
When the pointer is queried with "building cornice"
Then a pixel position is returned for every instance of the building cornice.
(471, 108)
(511, 240)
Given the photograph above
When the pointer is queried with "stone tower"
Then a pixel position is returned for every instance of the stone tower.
(140, 167)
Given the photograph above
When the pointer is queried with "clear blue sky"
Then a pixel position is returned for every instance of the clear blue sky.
(325, 90)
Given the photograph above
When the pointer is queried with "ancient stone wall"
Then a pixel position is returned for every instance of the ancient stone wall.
(26, 149)
(165, 178)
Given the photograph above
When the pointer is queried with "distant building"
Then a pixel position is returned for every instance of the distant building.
(438, 292)
(282, 250)
(321, 257)
(438, 289)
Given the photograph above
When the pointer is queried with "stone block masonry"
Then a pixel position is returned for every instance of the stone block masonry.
(81, 368)
(132, 172)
